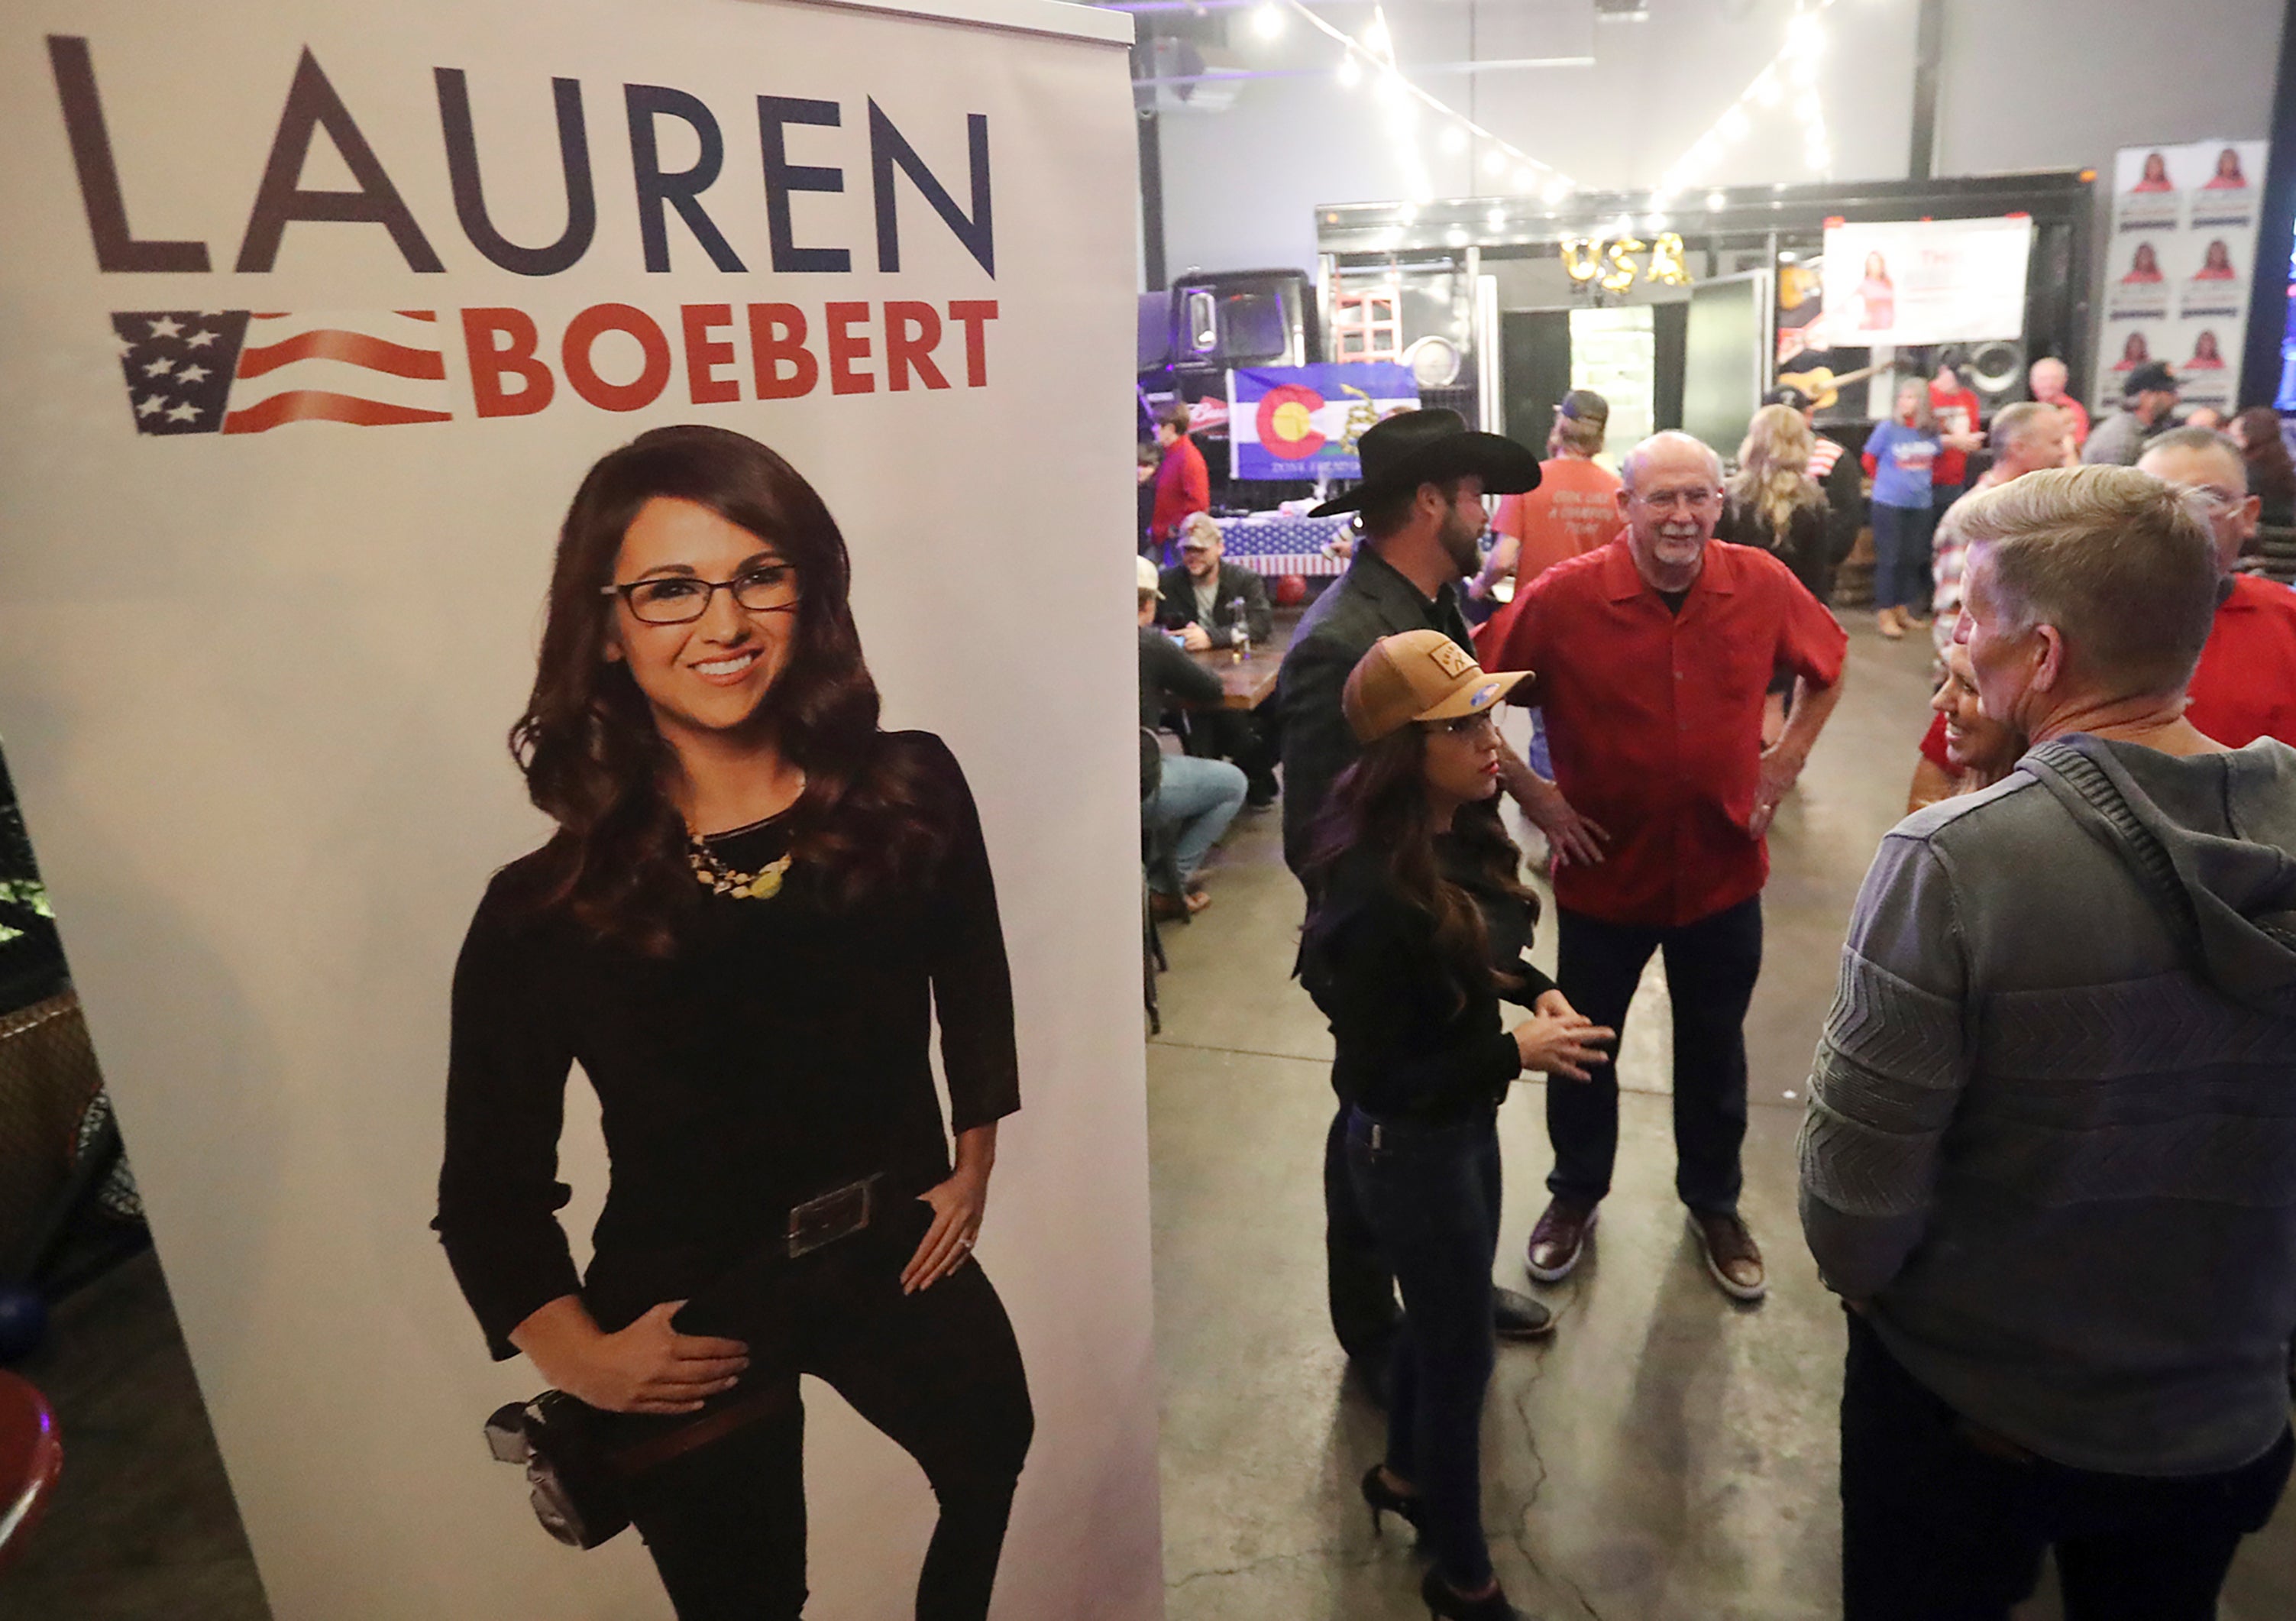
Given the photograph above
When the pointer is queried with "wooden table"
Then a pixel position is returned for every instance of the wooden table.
(1252, 683)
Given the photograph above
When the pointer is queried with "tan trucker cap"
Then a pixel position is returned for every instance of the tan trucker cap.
(1420, 675)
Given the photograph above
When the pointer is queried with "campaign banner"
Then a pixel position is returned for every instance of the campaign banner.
(1930, 280)
(1302, 421)
(2177, 280)
(563, 891)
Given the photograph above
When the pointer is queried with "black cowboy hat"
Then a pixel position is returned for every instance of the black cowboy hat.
(1431, 447)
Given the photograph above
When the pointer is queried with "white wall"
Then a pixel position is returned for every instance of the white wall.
(2024, 83)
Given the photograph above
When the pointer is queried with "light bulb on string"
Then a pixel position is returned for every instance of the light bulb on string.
(1455, 138)
(1556, 190)
(1765, 88)
(1733, 125)
(1375, 38)
(1524, 180)
(1350, 72)
(1268, 21)
(1715, 200)
(1495, 162)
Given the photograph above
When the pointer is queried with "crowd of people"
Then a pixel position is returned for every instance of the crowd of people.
(2049, 1107)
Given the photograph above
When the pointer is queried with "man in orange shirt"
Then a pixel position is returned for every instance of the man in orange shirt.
(2245, 688)
(1574, 509)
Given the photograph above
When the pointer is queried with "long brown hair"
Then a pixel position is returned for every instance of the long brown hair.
(1379, 805)
(596, 764)
(2270, 471)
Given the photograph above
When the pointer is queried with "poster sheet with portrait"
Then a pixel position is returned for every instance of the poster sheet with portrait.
(2177, 274)
(311, 321)
(1927, 280)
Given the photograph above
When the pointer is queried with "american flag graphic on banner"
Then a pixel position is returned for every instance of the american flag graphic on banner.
(239, 371)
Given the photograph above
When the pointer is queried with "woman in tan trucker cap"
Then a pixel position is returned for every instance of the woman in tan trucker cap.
(1416, 935)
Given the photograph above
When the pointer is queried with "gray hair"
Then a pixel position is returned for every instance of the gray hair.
(2205, 440)
(1633, 462)
(2123, 566)
(2015, 421)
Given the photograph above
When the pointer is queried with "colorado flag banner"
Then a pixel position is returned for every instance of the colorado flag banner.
(1302, 421)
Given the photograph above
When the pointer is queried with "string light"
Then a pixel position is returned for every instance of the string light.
(1797, 59)
(1267, 22)
(1405, 103)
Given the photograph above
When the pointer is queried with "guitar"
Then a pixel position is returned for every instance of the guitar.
(1823, 388)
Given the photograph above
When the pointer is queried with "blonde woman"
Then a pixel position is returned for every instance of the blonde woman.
(1775, 505)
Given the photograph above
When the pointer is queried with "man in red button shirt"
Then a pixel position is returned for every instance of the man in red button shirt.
(1651, 657)
(2245, 688)
(1184, 484)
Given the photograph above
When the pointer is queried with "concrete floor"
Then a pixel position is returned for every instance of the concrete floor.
(1669, 1454)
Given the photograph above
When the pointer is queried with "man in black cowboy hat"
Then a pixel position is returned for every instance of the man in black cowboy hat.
(1425, 475)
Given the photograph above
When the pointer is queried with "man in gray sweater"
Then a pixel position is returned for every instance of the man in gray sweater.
(2050, 1155)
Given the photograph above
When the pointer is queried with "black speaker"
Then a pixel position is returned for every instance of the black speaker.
(1994, 370)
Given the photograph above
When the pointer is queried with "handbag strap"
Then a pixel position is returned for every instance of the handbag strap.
(653, 1453)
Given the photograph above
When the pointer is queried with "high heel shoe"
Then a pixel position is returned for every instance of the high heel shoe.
(1384, 1498)
(1444, 1603)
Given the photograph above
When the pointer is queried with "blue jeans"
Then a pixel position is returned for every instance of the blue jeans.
(1901, 558)
(1431, 1194)
(1195, 802)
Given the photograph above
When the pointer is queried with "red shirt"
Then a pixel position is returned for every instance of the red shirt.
(1184, 484)
(2075, 416)
(1933, 745)
(1955, 410)
(1655, 719)
(2245, 688)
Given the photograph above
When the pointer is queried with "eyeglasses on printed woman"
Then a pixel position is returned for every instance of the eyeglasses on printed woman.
(678, 599)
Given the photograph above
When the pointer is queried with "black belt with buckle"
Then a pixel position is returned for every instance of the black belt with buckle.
(838, 1213)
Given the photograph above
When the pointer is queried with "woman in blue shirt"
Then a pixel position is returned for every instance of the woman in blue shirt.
(1898, 454)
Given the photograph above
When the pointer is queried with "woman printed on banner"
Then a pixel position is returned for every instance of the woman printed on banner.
(754, 905)
(2134, 353)
(2216, 265)
(2206, 357)
(2144, 266)
(2156, 177)
(2227, 176)
(1877, 296)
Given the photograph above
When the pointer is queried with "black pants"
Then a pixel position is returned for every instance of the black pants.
(1940, 1525)
(1236, 736)
(937, 1371)
(1364, 1312)
(1710, 969)
(1430, 1192)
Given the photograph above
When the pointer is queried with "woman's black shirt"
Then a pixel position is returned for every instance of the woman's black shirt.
(1410, 1040)
(780, 1053)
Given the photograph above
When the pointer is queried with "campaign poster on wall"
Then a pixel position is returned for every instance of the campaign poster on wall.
(2177, 274)
(1302, 421)
(569, 892)
(1928, 281)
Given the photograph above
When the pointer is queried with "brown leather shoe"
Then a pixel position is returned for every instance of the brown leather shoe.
(1558, 1240)
(1731, 1255)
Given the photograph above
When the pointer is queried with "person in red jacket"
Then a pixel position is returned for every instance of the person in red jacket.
(1184, 484)
(2245, 688)
(1650, 658)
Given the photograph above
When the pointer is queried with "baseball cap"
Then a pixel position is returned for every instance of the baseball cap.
(1584, 405)
(2153, 377)
(1419, 675)
(1150, 579)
